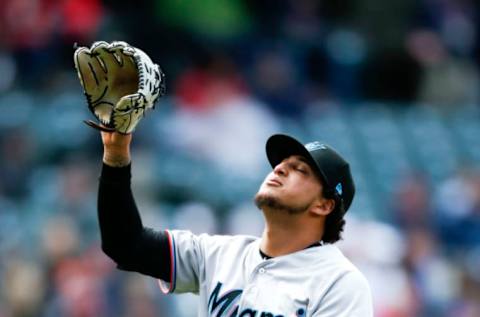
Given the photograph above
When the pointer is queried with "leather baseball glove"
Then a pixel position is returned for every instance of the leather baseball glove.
(120, 82)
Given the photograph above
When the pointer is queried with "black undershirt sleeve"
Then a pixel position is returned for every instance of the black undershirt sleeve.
(124, 238)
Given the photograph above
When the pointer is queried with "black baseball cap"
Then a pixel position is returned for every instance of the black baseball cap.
(330, 166)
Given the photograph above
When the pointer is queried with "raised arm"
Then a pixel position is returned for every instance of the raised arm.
(124, 238)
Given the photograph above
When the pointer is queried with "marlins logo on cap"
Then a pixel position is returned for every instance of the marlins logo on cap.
(313, 146)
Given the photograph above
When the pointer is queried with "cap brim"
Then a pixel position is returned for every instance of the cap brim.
(281, 146)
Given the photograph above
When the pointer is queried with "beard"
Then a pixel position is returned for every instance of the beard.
(264, 201)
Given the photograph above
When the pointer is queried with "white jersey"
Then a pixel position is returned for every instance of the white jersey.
(233, 280)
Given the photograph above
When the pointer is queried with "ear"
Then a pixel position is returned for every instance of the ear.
(323, 207)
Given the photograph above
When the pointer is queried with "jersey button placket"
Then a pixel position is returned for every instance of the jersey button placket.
(250, 293)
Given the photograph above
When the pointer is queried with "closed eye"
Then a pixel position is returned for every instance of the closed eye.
(301, 169)
(298, 165)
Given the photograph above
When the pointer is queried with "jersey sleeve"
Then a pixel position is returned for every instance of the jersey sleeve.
(189, 255)
(350, 296)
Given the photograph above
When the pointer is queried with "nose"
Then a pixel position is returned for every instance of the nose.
(280, 169)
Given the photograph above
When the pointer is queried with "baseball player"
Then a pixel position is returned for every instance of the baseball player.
(293, 269)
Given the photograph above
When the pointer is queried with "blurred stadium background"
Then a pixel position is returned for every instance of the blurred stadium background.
(394, 85)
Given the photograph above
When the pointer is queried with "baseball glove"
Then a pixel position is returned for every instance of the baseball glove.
(120, 82)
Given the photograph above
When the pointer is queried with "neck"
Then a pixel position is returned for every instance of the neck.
(286, 233)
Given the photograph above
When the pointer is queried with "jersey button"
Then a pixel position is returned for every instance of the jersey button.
(261, 270)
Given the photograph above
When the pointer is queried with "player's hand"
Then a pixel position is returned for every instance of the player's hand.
(116, 148)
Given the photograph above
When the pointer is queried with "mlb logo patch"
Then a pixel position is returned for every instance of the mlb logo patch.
(339, 188)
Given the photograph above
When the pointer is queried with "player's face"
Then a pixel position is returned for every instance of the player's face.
(292, 186)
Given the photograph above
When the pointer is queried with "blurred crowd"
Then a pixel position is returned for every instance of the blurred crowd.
(393, 85)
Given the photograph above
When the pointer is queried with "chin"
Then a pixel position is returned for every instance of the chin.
(264, 199)
(268, 201)
(266, 193)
